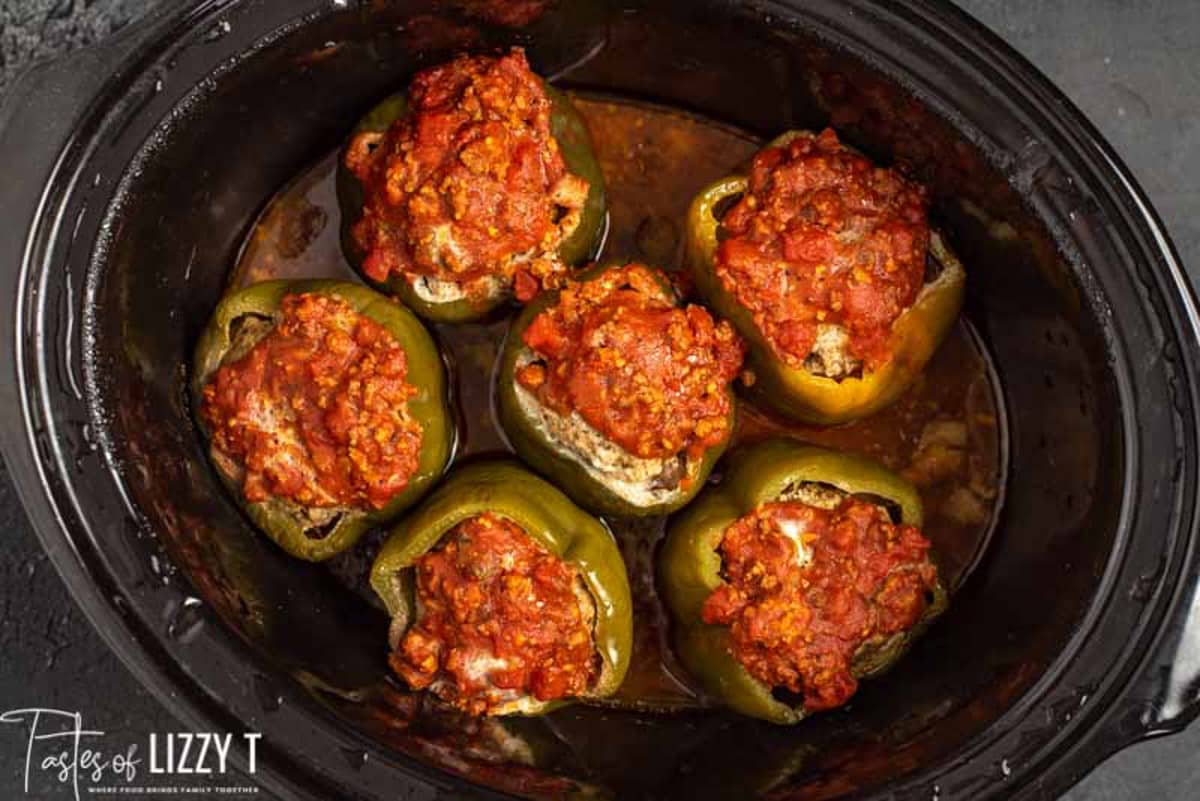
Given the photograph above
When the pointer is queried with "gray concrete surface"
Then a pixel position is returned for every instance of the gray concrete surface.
(1133, 67)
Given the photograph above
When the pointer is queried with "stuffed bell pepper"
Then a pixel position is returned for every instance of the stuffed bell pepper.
(505, 597)
(802, 572)
(324, 406)
(826, 263)
(477, 185)
(618, 391)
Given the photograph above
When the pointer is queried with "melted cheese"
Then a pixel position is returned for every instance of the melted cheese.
(794, 531)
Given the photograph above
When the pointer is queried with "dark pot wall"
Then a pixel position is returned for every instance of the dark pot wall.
(1059, 311)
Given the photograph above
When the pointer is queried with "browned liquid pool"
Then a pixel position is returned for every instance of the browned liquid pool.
(946, 434)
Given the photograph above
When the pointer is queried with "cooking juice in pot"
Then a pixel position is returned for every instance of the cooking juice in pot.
(946, 434)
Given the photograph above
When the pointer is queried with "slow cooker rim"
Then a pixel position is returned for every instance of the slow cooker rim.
(113, 624)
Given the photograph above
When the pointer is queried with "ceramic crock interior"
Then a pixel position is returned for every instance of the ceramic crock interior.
(198, 184)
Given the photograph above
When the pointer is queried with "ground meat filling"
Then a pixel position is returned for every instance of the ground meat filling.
(500, 618)
(469, 187)
(825, 250)
(651, 377)
(316, 412)
(807, 587)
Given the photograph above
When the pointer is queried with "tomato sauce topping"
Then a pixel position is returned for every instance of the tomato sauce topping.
(470, 184)
(799, 623)
(317, 411)
(500, 618)
(650, 376)
(823, 237)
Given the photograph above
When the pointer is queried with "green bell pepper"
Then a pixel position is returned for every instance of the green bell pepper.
(585, 485)
(795, 392)
(575, 144)
(505, 489)
(689, 567)
(285, 522)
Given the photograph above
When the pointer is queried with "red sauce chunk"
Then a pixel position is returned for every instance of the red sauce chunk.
(316, 412)
(500, 618)
(650, 376)
(798, 624)
(823, 237)
(470, 184)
